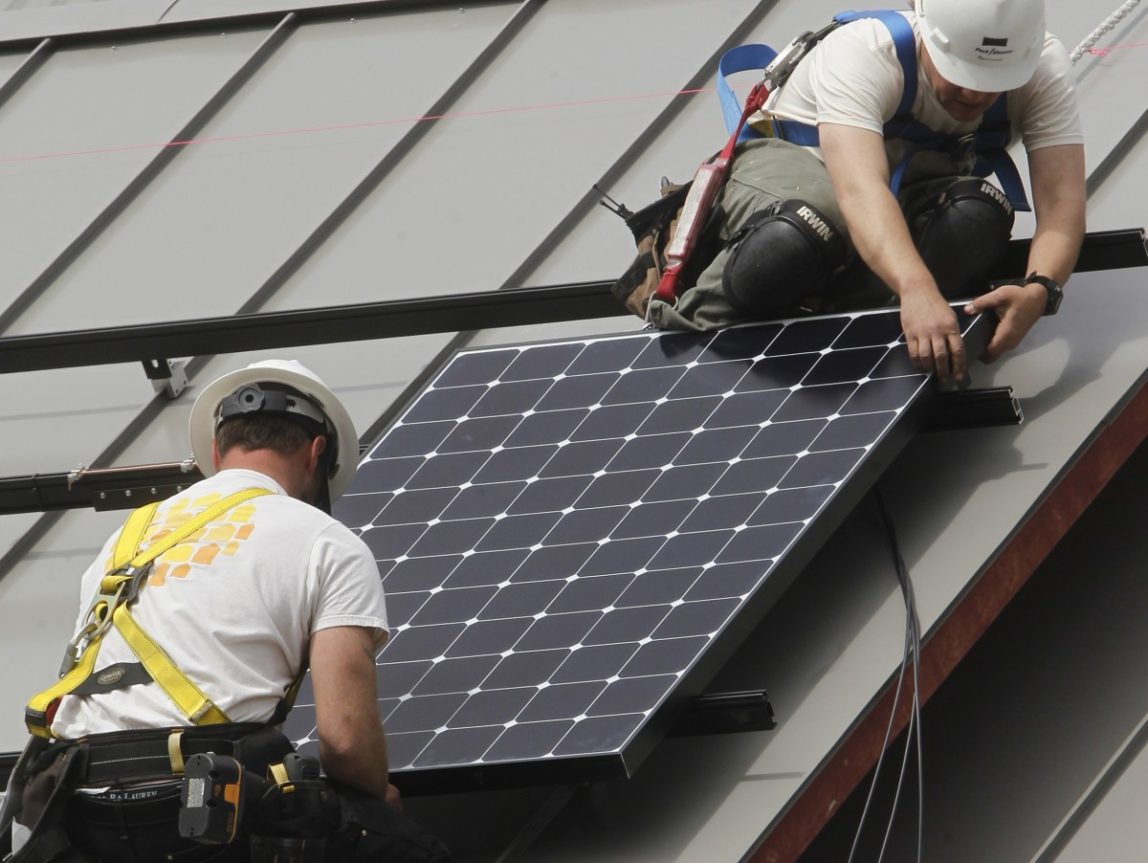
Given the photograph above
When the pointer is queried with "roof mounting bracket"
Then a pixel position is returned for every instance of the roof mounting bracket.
(726, 713)
(975, 408)
(167, 377)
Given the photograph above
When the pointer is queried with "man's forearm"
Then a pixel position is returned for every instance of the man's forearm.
(882, 239)
(857, 165)
(364, 767)
(1055, 248)
(1058, 193)
(352, 745)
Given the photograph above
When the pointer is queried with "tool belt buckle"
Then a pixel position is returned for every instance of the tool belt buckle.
(964, 148)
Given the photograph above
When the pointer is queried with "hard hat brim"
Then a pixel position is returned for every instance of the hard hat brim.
(201, 422)
(982, 77)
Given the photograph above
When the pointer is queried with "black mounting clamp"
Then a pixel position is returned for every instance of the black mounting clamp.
(974, 408)
(726, 713)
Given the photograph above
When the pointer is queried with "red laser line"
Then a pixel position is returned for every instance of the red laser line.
(336, 127)
(1104, 52)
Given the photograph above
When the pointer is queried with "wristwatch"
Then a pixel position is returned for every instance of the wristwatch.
(1055, 291)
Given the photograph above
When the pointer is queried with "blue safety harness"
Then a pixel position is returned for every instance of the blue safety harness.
(988, 142)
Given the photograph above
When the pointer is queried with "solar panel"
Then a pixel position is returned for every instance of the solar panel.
(573, 536)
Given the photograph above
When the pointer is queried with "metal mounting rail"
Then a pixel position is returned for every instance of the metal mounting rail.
(326, 325)
(410, 317)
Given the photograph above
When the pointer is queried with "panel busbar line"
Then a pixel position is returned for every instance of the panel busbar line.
(574, 536)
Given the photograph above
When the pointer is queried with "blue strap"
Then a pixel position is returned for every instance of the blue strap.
(741, 59)
(906, 47)
(903, 42)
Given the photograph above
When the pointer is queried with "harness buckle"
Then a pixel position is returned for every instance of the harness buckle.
(100, 618)
(76, 647)
(136, 576)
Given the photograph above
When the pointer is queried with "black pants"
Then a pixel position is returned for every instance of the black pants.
(111, 829)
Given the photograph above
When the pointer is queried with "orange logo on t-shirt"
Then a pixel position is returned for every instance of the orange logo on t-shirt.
(222, 536)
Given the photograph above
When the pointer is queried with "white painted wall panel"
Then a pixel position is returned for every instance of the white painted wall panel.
(1120, 202)
(1111, 88)
(9, 63)
(325, 108)
(66, 417)
(526, 142)
(74, 135)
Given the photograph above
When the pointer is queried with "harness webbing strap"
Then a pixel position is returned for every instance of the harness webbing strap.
(188, 697)
(903, 43)
(132, 535)
(118, 589)
(744, 58)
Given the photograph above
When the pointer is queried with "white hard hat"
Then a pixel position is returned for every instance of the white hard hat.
(987, 45)
(204, 414)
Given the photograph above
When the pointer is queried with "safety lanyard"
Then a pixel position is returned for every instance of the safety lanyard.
(118, 589)
(708, 181)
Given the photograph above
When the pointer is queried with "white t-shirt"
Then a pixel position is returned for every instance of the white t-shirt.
(853, 78)
(234, 606)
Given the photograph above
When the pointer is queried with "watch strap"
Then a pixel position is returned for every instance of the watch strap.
(1055, 294)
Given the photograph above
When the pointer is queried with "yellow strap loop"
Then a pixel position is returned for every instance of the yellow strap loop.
(175, 752)
(39, 703)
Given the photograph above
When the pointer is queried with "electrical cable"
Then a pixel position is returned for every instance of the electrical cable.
(910, 662)
(884, 748)
(913, 732)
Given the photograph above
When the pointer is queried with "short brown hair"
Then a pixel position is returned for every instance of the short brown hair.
(262, 431)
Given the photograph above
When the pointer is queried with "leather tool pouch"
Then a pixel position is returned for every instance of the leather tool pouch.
(653, 227)
(50, 780)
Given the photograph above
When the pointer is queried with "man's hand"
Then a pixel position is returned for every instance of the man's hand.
(932, 335)
(1018, 307)
(394, 799)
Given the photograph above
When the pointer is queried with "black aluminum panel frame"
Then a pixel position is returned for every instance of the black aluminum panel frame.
(662, 720)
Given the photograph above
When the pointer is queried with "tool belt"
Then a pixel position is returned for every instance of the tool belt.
(653, 228)
(123, 757)
(49, 773)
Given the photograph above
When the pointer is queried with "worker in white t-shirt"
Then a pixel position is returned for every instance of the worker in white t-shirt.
(813, 195)
(239, 607)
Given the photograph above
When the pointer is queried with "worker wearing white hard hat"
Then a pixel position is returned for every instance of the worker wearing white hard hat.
(209, 607)
(880, 172)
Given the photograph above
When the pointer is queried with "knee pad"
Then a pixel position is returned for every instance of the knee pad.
(963, 234)
(782, 256)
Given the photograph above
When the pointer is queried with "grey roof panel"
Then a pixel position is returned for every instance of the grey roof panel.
(526, 142)
(64, 418)
(74, 136)
(284, 152)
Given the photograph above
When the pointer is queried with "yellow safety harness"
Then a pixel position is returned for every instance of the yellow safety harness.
(118, 590)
